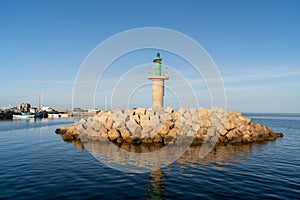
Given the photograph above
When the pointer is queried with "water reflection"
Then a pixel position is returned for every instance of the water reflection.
(8, 125)
(217, 159)
(79, 146)
(221, 154)
(155, 188)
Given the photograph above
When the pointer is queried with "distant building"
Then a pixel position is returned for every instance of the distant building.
(92, 110)
(89, 110)
(78, 110)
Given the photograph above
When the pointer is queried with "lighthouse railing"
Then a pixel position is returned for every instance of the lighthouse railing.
(152, 71)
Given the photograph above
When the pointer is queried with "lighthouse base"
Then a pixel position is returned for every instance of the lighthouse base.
(157, 92)
(158, 108)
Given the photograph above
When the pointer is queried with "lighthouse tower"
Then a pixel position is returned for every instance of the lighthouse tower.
(158, 75)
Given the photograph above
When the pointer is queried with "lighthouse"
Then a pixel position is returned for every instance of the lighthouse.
(158, 75)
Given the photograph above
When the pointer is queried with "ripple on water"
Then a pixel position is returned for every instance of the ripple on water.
(37, 164)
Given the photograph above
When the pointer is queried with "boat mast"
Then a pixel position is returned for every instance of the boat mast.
(39, 102)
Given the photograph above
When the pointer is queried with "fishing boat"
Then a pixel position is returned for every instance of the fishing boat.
(6, 115)
(30, 115)
(23, 116)
(38, 115)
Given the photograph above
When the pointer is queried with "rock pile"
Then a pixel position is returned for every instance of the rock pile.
(146, 126)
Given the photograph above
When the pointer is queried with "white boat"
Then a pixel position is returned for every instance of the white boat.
(59, 115)
(23, 116)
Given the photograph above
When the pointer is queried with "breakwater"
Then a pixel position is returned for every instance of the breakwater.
(146, 126)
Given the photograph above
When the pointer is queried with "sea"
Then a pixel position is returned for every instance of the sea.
(35, 163)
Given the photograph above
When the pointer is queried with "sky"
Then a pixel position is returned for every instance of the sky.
(254, 44)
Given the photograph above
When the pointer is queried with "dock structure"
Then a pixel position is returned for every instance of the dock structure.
(158, 74)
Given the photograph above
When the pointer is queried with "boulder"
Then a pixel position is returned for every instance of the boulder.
(211, 131)
(203, 112)
(243, 128)
(58, 131)
(173, 132)
(154, 120)
(109, 123)
(204, 121)
(152, 134)
(187, 115)
(72, 130)
(165, 128)
(120, 140)
(150, 112)
(102, 119)
(222, 131)
(140, 111)
(121, 119)
(229, 125)
(195, 126)
(187, 119)
(133, 127)
(136, 118)
(163, 117)
(230, 135)
(67, 137)
(144, 120)
(82, 121)
(92, 135)
(146, 132)
(202, 131)
(181, 111)
(113, 135)
(246, 138)
(103, 130)
(157, 139)
(130, 112)
(124, 133)
(80, 127)
(169, 110)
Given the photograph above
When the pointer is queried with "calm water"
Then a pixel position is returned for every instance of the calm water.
(35, 163)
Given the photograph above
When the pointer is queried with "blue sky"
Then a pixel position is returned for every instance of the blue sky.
(255, 45)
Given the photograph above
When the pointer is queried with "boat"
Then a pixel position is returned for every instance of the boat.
(37, 115)
(44, 114)
(23, 116)
(6, 115)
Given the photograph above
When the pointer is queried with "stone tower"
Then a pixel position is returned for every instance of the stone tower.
(158, 75)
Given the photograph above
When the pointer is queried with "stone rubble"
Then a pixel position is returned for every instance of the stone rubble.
(146, 126)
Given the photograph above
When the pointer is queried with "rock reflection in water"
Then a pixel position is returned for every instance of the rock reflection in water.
(134, 158)
(111, 154)
(220, 153)
(78, 144)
